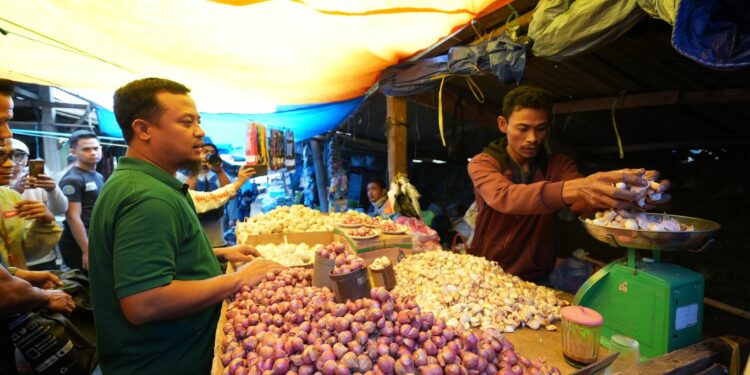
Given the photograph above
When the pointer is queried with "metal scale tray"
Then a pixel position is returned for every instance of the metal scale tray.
(704, 231)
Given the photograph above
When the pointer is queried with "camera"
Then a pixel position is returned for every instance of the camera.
(213, 160)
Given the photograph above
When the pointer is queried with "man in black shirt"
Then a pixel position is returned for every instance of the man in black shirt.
(81, 185)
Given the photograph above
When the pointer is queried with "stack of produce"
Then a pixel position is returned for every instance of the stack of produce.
(297, 218)
(637, 220)
(288, 255)
(471, 292)
(284, 326)
(347, 263)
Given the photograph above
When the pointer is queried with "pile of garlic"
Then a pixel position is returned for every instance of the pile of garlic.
(472, 292)
(380, 264)
(285, 219)
(289, 255)
(636, 220)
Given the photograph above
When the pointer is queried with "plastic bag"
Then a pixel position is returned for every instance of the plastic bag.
(52, 345)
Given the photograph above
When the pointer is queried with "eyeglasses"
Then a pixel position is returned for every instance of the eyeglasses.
(19, 156)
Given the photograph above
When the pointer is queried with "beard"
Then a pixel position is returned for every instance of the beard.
(192, 167)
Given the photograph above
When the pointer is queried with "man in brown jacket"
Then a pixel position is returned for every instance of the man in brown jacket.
(519, 188)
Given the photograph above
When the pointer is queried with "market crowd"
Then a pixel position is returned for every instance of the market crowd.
(150, 237)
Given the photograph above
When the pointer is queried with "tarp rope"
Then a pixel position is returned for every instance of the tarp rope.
(475, 90)
(616, 103)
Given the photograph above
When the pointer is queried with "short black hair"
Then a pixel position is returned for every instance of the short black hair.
(137, 100)
(527, 97)
(378, 181)
(81, 134)
(7, 87)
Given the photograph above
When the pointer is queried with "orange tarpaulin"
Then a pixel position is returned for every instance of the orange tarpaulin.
(237, 56)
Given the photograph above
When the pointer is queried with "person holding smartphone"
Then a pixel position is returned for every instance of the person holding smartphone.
(35, 185)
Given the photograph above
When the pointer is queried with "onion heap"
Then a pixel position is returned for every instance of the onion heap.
(286, 326)
(330, 251)
(472, 292)
(347, 263)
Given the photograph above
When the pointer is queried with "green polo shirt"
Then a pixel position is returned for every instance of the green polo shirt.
(144, 233)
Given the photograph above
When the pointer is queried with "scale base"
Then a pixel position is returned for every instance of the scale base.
(658, 304)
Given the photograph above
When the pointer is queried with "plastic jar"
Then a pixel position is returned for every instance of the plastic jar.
(581, 328)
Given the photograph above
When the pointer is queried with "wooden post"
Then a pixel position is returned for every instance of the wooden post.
(396, 132)
(320, 174)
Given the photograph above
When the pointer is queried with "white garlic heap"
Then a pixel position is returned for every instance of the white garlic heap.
(285, 219)
(289, 255)
(635, 220)
(472, 292)
(380, 264)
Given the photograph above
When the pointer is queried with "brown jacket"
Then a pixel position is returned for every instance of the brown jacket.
(515, 221)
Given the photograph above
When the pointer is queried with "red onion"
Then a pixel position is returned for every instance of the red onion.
(349, 360)
(329, 367)
(386, 364)
(430, 348)
(469, 360)
(420, 357)
(306, 370)
(345, 337)
(364, 363)
(342, 370)
(453, 369)
(280, 366)
(470, 341)
(431, 370)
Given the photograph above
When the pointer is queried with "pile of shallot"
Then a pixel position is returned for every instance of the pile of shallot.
(330, 251)
(347, 263)
(285, 326)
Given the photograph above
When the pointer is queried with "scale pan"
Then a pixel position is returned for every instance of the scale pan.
(696, 239)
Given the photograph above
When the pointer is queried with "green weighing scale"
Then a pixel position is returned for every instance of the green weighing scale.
(659, 304)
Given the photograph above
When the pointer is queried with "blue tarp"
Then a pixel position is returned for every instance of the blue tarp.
(229, 128)
(715, 33)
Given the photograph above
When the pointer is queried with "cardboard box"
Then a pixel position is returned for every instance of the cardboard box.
(310, 238)
(395, 247)
(217, 368)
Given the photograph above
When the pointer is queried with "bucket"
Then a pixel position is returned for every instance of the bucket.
(322, 271)
(385, 277)
(351, 286)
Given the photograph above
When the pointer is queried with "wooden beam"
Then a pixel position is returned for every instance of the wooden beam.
(667, 145)
(653, 99)
(523, 23)
(396, 133)
(628, 101)
(692, 359)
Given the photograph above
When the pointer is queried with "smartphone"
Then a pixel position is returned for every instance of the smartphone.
(36, 167)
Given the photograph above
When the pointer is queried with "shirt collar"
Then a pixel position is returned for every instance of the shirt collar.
(135, 164)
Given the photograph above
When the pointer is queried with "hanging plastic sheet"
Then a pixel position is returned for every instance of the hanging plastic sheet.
(715, 33)
(561, 28)
(499, 56)
(665, 10)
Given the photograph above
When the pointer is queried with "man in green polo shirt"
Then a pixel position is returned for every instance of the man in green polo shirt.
(155, 281)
